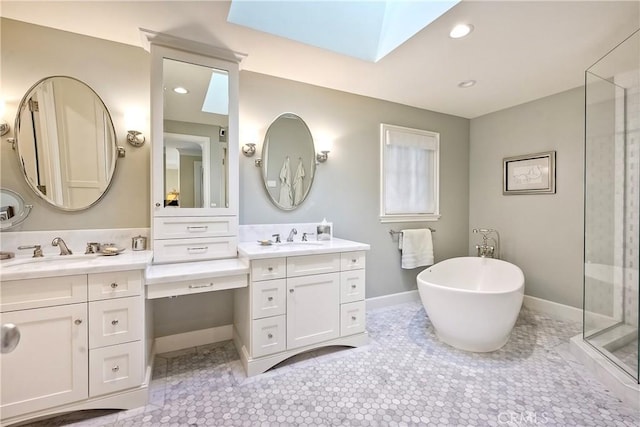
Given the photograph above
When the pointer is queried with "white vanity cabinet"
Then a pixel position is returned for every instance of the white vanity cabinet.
(80, 343)
(297, 303)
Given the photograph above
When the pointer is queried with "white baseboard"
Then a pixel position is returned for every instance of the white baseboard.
(553, 309)
(193, 338)
(392, 299)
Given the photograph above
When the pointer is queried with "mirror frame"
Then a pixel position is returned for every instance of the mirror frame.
(263, 164)
(164, 46)
(116, 149)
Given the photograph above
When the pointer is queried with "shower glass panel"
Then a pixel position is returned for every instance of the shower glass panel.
(612, 205)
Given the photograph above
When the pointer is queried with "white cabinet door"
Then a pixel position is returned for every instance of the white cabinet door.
(49, 365)
(313, 309)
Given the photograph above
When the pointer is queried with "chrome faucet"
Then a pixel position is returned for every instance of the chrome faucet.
(64, 249)
(292, 233)
(485, 249)
(37, 250)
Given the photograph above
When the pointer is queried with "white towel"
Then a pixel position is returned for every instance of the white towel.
(285, 200)
(417, 248)
(298, 184)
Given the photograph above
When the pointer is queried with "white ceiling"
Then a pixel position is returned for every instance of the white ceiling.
(519, 51)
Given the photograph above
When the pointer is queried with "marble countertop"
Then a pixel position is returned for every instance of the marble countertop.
(56, 265)
(254, 250)
(176, 272)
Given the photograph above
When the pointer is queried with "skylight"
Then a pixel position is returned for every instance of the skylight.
(217, 99)
(363, 29)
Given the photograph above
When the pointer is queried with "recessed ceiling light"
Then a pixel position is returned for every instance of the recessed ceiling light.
(467, 83)
(180, 90)
(460, 31)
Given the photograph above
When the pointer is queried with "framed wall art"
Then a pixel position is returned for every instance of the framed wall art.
(529, 174)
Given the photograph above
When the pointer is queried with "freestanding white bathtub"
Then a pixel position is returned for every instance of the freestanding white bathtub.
(472, 302)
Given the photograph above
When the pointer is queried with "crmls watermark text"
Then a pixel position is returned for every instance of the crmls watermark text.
(520, 419)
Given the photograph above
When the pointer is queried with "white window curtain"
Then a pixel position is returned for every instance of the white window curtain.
(409, 173)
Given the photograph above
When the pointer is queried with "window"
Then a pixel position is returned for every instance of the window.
(409, 161)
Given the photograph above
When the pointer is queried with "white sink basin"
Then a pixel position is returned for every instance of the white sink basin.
(65, 260)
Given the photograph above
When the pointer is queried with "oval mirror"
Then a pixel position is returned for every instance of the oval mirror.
(13, 210)
(288, 161)
(66, 143)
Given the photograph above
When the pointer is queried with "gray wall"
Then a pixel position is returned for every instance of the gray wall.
(346, 187)
(543, 234)
(120, 76)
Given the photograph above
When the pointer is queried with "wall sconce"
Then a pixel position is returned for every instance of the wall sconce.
(249, 149)
(322, 156)
(132, 119)
(4, 126)
(135, 138)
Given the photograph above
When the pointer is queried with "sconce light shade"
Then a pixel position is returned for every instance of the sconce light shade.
(4, 128)
(135, 138)
(322, 156)
(249, 149)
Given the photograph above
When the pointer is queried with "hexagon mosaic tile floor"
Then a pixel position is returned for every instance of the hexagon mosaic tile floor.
(405, 376)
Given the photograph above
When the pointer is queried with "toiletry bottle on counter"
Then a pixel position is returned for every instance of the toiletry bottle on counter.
(323, 231)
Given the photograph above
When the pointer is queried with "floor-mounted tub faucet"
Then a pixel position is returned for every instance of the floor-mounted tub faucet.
(485, 250)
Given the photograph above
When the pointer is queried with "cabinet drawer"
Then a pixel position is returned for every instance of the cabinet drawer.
(352, 318)
(352, 260)
(196, 286)
(312, 264)
(268, 298)
(352, 286)
(266, 269)
(115, 368)
(115, 321)
(268, 336)
(45, 292)
(176, 250)
(115, 284)
(187, 227)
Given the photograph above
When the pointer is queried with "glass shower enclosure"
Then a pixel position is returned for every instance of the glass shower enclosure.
(612, 205)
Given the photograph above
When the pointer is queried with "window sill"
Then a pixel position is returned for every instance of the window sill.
(409, 218)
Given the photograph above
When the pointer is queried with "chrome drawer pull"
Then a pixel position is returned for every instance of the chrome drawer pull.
(200, 286)
(10, 338)
(115, 322)
(78, 321)
(115, 368)
(203, 248)
(291, 290)
(270, 336)
(354, 261)
(197, 227)
(353, 317)
(270, 268)
(353, 286)
(270, 299)
(114, 285)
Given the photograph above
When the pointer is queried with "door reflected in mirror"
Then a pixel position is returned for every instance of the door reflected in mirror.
(196, 116)
(66, 143)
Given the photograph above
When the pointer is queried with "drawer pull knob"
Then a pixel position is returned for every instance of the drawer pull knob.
(158, 205)
(353, 286)
(115, 368)
(197, 227)
(115, 322)
(291, 290)
(114, 285)
(354, 260)
(78, 321)
(270, 299)
(353, 317)
(10, 337)
(270, 268)
(207, 285)
(201, 248)
(270, 336)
